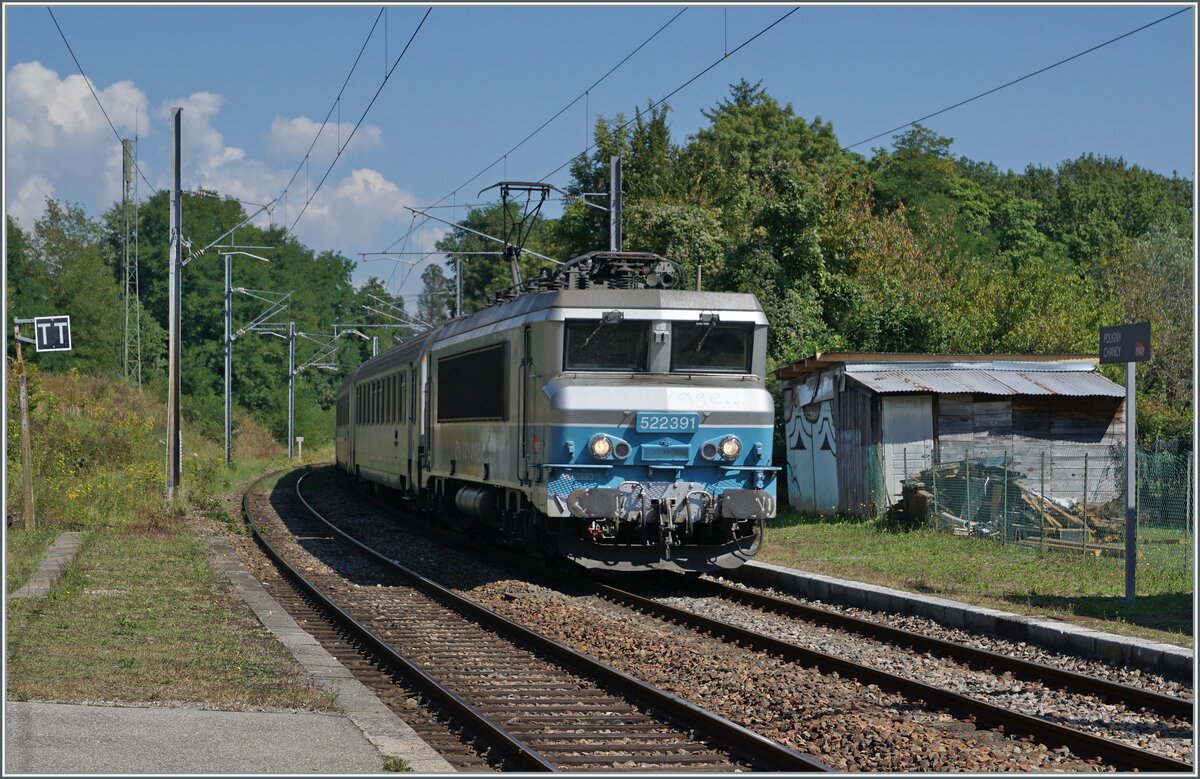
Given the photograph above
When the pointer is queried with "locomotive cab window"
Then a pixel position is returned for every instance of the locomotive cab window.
(600, 345)
(711, 347)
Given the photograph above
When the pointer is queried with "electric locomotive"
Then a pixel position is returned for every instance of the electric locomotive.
(591, 411)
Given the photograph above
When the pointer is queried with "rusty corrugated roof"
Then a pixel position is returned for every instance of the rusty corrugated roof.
(989, 382)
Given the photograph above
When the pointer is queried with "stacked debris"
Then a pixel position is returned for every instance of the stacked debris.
(986, 497)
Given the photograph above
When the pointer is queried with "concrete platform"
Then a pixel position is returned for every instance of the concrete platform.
(50, 569)
(57, 738)
(1040, 631)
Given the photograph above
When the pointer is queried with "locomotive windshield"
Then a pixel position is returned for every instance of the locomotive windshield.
(711, 347)
(597, 345)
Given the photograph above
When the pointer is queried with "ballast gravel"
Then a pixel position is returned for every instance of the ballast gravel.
(849, 725)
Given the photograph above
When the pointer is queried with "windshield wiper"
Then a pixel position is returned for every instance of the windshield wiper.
(609, 316)
(700, 344)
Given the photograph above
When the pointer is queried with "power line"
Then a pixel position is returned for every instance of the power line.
(357, 124)
(1015, 81)
(582, 95)
(335, 105)
(88, 81)
(682, 86)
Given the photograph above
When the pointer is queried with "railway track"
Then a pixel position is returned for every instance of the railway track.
(1085, 744)
(975, 657)
(537, 703)
(1089, 745)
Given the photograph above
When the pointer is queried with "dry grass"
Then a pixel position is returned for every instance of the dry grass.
(143, 617)
(251, 441)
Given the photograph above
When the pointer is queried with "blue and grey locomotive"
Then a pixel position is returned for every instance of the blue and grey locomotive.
(591, 411)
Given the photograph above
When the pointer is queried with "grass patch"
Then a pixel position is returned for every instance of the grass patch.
(143, 616)
(26, 548)
(397, 765)
(983, 572)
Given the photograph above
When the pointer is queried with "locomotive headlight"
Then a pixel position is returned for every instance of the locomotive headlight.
(730, 447)
(709, 451)
(621, 450)
(600, 446)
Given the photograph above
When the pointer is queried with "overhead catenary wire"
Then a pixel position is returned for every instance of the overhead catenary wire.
(358, 124)
(682, 86)
(1014, 81)
(336, 105)
(91, 89)
(585, 94)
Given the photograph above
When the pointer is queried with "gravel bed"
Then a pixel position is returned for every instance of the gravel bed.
(1149, 730)
(851, 726)
(1134, 677)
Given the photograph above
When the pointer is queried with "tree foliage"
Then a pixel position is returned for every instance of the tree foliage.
(913, 249)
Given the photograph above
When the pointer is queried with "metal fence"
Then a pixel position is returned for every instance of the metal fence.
(1060, 497)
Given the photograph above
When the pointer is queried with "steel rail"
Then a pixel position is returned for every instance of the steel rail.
(1169, 705)
(1117, 754)
(1061, 678)
(526, 756)
(760, 750)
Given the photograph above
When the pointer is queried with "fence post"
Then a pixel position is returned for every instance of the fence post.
(1083, 507)
(967, 504)
(1187, 504)
(933, 518)
(1042, 500)
(1004, 510)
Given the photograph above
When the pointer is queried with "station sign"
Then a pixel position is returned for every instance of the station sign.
(52, 333)
(1125, 343)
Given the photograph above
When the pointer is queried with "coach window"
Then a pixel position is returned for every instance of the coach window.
(711, 347)
(603, 345)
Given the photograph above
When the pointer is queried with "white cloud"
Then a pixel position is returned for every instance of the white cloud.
(56, 134)
(31, 200)
(60, 145)
(290, 139)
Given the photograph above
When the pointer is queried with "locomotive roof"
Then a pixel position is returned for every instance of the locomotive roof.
(625, 299)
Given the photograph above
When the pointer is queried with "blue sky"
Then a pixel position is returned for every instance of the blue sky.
(256, 81)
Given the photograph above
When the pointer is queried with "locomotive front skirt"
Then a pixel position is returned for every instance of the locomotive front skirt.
(625, 429)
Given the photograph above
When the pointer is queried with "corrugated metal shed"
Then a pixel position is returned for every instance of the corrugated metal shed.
(988, 382)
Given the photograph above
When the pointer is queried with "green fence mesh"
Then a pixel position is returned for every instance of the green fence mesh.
(1067, 498)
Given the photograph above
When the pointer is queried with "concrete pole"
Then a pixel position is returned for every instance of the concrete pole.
(1130, 482)
(174, 435)
(614, 204)
(458, 286)
(228, 353)
(291, 385)
(28, 517)
(374, 345)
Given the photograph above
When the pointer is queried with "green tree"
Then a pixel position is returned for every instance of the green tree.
(435, 304)
(72, 256)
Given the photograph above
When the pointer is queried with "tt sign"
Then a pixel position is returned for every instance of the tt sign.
(52, 333)
(1125, 343)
